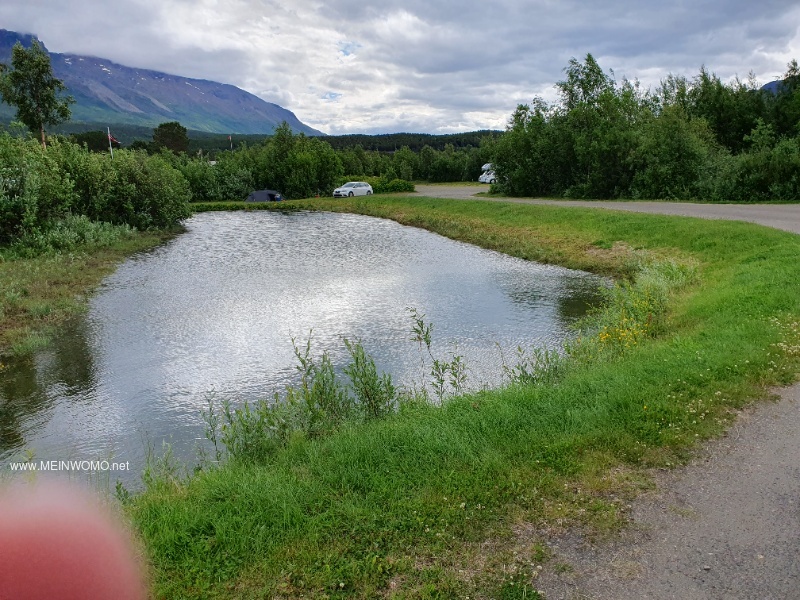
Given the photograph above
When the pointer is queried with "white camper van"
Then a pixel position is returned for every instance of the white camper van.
(488, 174)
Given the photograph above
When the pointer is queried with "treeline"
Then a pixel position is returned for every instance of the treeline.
(43, 190)
(296, 165)
(150, 188)
(694, 138)
(448, 164)
(415, 142)
(272, 161)
(211, 143)
(300, 166)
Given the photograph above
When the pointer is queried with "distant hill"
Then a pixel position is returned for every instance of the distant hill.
(108, 93)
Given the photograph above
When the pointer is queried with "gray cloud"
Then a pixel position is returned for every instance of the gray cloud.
(415, 65)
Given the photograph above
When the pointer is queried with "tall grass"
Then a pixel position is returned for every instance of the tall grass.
(405, 506)
(318, 406)
(44, 278)
(69, 234)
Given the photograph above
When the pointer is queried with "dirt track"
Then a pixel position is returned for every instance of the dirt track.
(725, 527)
(780, 216)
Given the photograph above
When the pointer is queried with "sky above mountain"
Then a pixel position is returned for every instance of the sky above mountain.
(432, 66)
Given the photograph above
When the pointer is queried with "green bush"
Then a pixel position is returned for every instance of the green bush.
(92, 177)
(393, 186)
(670, 156)
(43, 192)
(381, 185)
(763, 174)
(203, 179)
(33, 188)
(147, 192)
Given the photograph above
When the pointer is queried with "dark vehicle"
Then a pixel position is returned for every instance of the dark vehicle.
(264, 196)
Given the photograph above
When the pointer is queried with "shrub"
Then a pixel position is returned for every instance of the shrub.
(147, 192)
(763, 174)
(33, 188)
(92, 177)
(632, 311)
(381, 185)
(319, 405)
(203, 179)
(73, 232)
(39, 190)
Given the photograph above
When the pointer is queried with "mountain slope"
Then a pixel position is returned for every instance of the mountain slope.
(107, 92)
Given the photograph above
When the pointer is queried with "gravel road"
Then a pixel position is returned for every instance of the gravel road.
(780, 216)
(727, 526)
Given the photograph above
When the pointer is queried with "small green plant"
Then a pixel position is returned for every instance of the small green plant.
(212, 421)
(632, 310)
(375, 394)
(534, 366)
(71, 233)
(162, 470)
(121, 493)
(517, 587)
(324, 399)
(445, 375)
(316, 407)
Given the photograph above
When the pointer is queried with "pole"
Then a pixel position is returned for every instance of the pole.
(110, 147)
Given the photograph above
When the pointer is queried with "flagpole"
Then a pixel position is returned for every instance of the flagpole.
(110, 147)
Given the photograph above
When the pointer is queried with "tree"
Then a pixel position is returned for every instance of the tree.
(139, 145)
(172, 136)
(31, 87)
(785, 104)
(585, 83)
(96, 141)
(731, 110)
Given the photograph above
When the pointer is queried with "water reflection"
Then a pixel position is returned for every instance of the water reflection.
(214, 312)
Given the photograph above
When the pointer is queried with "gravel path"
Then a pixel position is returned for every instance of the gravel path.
(780, 216)
(727, 526)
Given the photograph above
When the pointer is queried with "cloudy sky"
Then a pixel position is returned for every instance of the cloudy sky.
(433, 66)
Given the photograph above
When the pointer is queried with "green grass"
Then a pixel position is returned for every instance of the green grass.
(40, 292)
(440, 502)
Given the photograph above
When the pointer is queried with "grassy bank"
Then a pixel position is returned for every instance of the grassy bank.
(455, 501)
(39, 293)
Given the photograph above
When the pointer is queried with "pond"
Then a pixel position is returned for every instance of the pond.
(213, 314)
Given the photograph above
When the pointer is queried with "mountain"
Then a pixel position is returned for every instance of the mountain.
(108, 93)
(774, 87)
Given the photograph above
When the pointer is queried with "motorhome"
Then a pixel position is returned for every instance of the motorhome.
(488, 174)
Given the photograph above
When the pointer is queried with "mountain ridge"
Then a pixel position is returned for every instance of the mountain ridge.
(106, 91)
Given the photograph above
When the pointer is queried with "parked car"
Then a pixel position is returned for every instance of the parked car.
(264, 196)
(353, 188)
(487, 177)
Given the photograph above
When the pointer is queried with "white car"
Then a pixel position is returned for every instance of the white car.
(487, 177)
(353, 188)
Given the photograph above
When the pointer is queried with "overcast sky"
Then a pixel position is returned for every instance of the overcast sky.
(432, 66)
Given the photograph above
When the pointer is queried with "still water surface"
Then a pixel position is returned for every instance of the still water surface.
(214, 312)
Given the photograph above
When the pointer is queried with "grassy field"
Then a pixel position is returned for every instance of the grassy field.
(456, 500)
